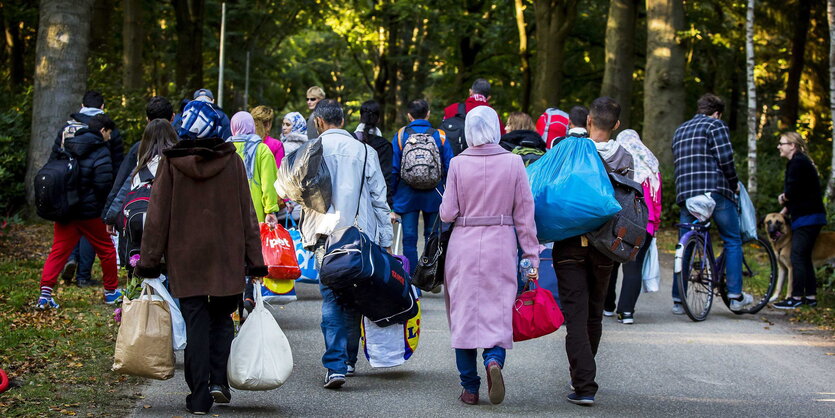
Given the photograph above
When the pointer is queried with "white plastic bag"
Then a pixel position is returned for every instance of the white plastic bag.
(178, 324)
(260, 358)
(390, 346)
(701, 206)
(651, 271)
(747, 216)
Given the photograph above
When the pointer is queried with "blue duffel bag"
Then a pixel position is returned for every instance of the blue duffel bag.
(367, 278)
(571, 191)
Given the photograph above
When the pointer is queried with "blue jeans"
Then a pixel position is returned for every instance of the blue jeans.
(84, 255)
(410, 233)
(726, 218)
(340, 327)
(465, 359)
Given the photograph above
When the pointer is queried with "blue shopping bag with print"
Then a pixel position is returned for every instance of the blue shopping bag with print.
(307, 261)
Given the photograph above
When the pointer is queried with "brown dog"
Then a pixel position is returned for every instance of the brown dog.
(779, 232)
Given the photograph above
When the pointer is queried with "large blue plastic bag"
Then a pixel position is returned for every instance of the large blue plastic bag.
(572, 193)
(747, 215)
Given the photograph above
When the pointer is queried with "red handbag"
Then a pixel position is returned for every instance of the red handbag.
(535, 313)
(279, 253)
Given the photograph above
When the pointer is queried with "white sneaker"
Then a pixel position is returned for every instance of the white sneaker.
(678, 309)
(608, 313)
(738, 305)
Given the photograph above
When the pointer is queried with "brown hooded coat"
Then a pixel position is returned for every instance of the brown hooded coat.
(201, 220)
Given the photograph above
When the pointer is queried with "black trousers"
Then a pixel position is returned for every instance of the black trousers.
(583, 274)
(804, 282)
(209, 334)
(630, 287)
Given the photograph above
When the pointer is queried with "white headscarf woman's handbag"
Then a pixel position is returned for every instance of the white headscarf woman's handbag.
(481, 126)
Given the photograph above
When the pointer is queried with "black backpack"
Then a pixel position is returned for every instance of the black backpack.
(622, 236)
(56, 188)
(454, 128)
(131, 219)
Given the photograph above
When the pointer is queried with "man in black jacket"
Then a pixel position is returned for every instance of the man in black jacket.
(83, 256)
(89, 147)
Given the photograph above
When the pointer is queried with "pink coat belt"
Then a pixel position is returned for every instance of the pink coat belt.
(463, 221)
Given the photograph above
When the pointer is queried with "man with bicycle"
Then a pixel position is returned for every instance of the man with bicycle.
(704, 170)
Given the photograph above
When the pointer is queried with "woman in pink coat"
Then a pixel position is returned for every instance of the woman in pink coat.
(489, 199)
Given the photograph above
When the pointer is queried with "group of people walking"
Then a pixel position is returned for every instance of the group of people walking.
(213, 180)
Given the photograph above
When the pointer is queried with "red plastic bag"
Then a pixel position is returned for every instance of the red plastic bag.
(279, 253)
(535, 313)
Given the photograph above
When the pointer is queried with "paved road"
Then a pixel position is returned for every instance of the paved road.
(663, 365)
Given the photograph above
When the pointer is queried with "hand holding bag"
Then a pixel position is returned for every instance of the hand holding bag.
(279, 253)
(260, 358)
(178, 324)
(144, 343)
(535, 313)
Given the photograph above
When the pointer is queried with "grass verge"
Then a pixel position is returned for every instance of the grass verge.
(59, 361)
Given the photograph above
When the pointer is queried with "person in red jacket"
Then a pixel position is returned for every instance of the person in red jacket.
(479, 96)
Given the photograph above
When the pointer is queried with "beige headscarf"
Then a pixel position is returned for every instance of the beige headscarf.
(481, 126)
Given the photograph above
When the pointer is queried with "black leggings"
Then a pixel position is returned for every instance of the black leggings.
(804, 282)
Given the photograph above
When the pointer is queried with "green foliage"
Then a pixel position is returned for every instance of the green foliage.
(15, 124)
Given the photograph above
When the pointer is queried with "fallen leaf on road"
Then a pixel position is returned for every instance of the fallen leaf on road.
(146, 406)
(830, 354)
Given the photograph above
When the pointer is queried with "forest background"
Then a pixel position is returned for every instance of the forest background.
(656, 57)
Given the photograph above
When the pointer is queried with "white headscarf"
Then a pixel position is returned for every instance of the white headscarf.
(646, 165)
(481, 126)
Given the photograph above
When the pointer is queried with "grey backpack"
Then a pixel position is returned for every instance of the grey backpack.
(420, 163)
(622, 236)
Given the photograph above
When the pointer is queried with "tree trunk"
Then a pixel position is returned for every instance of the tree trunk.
(752, 99)
(132, 45)
(524, 56)
(830, 9)
(620, 54)
(789, 111)
(190, 16)
(60, 76)
(554, 21)
(14, 49)
(102, 28)
(664, 82)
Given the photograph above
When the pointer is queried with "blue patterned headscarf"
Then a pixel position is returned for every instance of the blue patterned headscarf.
(200, 120)
(298, 121)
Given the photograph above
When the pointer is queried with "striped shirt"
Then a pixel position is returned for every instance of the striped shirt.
(704, 159)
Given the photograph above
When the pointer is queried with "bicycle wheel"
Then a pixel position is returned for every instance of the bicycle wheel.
(759, 275)
(694, 277)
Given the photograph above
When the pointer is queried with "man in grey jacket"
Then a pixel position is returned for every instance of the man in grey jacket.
(344, 156)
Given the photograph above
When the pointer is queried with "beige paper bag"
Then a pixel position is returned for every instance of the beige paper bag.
(144, 343)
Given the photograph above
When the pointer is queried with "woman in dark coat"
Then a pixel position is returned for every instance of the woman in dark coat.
(202, 221)
(803, 202)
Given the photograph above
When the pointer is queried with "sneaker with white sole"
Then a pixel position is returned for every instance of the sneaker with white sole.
(112, 296)
(740, 303)
(608, 313)
(576, 399)
(45, 303)
(789, 303)
(351, 371)
(220, 393)
(626, 318)
(334, 380)
(678, 309)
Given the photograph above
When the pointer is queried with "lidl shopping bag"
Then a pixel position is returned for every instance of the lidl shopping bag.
(278, 292)
(390, 346)
(279, 253)
(305, 258)
(571, 191)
